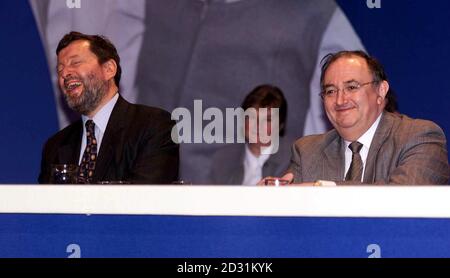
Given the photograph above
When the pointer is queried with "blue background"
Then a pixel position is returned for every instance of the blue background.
(410, 37)
(28, 235)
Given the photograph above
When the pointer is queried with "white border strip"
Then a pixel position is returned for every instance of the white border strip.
(348, 201)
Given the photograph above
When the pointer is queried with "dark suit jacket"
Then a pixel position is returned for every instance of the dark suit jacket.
(228, 163)
(403, 151)
(136, 147)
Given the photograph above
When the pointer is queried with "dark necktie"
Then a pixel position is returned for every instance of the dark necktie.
(356, 167)
(87, 166)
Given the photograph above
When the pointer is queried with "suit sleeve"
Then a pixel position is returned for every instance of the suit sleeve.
(295, 165)
(44, 175)
(422, 160)
(157, 161)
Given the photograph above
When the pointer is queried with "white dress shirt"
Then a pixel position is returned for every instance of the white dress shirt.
(101, 121)
(253, 165)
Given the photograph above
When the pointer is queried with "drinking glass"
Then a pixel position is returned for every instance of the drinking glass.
(275, 182)
(64, 174)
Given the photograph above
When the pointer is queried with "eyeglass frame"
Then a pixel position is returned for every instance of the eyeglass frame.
(360, 85)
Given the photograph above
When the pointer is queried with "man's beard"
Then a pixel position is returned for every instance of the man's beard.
(93, 92)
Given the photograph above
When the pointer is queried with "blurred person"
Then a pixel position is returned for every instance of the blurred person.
(247, 163)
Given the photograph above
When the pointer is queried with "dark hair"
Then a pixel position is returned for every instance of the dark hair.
(268, 96)
(375, 67)
(391, 101)
(99, 45)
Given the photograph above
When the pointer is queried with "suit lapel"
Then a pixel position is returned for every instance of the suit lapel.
(381, 134)
(69, 153)
(238, 177)
(334, 162)
(271, 166)
(111, 138)
(277, 163)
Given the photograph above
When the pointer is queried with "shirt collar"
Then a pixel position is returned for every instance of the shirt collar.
(367, 137)
(261, 159)
(101, 118)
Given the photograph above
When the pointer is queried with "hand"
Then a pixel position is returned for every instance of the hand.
(276, 181)
(288, 176)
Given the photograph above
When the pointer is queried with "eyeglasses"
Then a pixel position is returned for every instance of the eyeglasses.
(350, 88)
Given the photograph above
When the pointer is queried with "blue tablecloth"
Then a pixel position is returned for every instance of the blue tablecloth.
(62, 235)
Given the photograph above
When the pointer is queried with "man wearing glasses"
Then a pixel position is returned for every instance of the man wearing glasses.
(368, 145)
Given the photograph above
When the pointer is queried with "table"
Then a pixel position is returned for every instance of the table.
(224, 221)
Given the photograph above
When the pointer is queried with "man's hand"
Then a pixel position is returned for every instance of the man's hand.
(286, 180)
(289, 177)
(276, 181)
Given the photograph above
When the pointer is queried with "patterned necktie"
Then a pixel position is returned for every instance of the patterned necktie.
(87, 166)
(356, 168)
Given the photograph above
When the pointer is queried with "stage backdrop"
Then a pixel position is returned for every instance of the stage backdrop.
(411, 38)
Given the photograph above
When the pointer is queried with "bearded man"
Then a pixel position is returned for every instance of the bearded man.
(114, 140)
